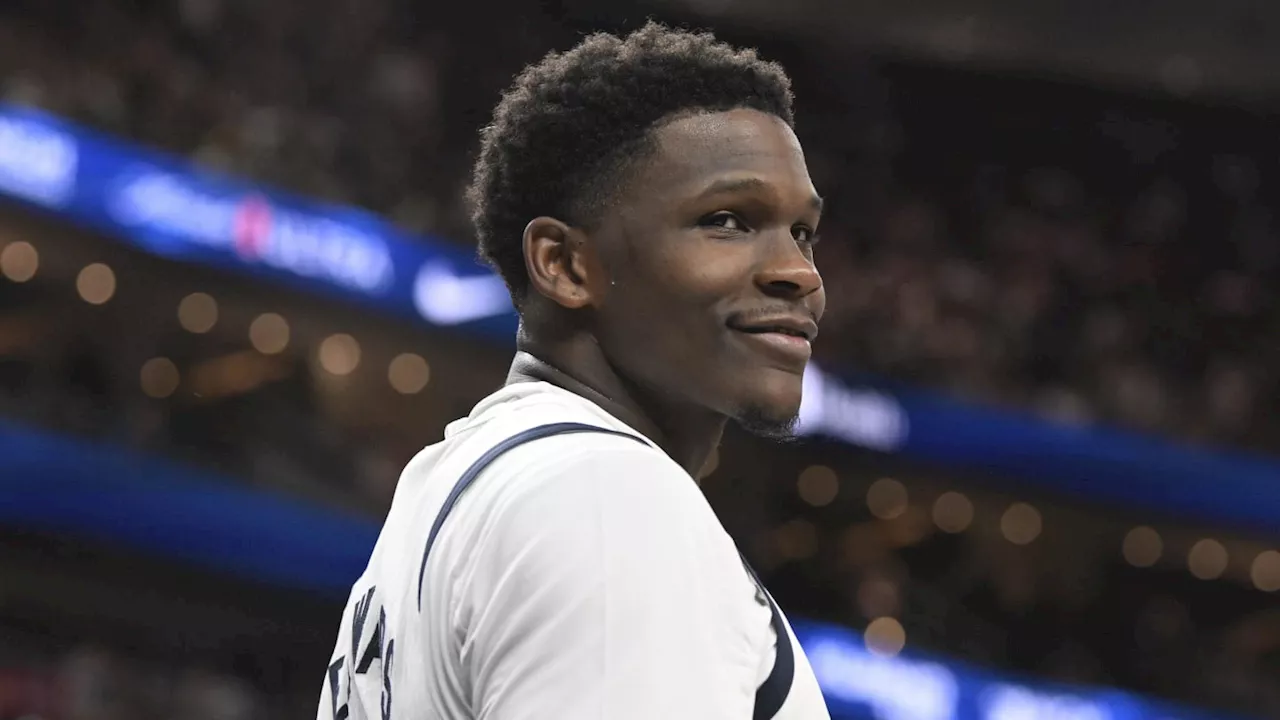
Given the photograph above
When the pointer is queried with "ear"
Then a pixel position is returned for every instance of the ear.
(560, 263)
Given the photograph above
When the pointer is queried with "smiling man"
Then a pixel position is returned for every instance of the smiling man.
(648, 205)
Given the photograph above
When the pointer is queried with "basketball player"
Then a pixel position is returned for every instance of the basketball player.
(553, 558)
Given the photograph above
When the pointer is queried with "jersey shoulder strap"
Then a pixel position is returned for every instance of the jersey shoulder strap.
(471, 473)
(771, 694)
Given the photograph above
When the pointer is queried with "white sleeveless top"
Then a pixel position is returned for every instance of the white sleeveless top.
(579, 577)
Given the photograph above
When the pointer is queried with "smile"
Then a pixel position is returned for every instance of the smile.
(782, 344)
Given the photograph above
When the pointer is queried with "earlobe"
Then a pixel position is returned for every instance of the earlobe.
(555, 260)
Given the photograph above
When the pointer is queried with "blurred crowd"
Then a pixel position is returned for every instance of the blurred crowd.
(1051, 286)
(334, 99)
(1125, 288)
(254, 418)
(92, 682)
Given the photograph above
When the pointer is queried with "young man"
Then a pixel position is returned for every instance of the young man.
(553, 558)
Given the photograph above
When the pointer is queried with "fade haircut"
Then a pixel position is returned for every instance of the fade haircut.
(567, 130)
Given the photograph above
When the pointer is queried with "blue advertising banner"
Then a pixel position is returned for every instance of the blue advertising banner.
(165, 206)
(863, 685)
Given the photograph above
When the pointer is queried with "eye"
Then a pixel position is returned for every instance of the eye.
(726, 220)
(804, 234)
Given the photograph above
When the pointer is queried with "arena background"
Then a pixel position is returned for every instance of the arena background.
(1039, 477)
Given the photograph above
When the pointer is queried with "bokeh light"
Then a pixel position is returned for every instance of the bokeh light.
(96, 283)
(408, 373)
(198, 313)
(269, 334)
(339, 354)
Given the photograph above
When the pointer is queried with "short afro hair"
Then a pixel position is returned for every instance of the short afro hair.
(568, 128)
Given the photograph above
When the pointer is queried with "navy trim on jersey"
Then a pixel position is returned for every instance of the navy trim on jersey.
(471, 473)
(771, 694)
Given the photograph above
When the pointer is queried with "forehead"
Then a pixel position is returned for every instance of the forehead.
(694, 152)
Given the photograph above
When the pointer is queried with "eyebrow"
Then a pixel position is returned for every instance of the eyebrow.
(732, 185)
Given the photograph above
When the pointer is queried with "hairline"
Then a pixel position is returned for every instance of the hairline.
(615, 172)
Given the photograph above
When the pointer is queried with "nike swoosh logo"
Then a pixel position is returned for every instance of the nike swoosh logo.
(445, 298)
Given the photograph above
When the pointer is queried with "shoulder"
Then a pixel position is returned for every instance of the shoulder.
(594, 472)
(599, 500)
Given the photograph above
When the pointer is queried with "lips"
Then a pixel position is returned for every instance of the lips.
(784, 340)
(774, 329)
(789, 325)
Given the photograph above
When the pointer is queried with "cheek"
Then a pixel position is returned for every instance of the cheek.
(680, 279)
(668, 315)
(694, 298)
(669, 300)
(664, 319)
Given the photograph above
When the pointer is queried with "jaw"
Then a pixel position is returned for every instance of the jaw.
(777, 428)
(769, 404)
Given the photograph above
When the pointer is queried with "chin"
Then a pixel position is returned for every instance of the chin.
(768, 423)
(771, 415)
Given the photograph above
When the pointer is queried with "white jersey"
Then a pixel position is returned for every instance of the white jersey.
(580, 577)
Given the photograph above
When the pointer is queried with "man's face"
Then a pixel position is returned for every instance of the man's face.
(713, 295)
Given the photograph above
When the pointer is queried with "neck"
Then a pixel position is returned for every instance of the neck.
(687, 435)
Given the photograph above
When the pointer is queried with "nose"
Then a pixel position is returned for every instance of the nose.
(788, 273)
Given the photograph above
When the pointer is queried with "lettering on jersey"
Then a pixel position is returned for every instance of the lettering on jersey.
(371, 652)
(335, 686)
(358, 617)
(371, 657)
(388, 647)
